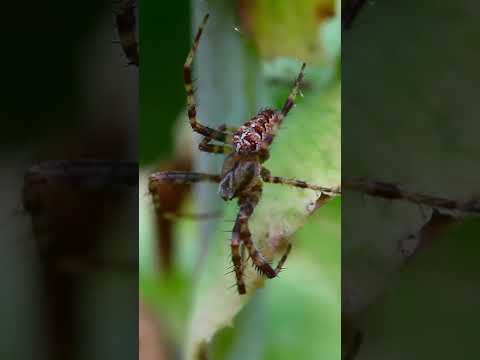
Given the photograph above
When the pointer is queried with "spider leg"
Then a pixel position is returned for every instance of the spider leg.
(241, 232)
(227, 128)
(283, 113)
(180, 177)
(191, 103)
(237, 258)
(267, 177)
(173, 216)
(177, 177)
(213, 148)
(293, 94)
(283, 259)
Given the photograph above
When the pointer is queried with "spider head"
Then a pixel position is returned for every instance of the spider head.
(239, 174)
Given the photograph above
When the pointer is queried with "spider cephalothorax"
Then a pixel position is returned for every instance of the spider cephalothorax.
(242, 174)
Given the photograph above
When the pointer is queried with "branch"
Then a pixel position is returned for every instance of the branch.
(89, 173)
(398, 192)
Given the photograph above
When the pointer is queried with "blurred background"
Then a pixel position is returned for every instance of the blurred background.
(68, 239)
(248, 57)
(409, 117)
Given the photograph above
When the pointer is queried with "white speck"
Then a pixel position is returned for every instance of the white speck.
(311, 207)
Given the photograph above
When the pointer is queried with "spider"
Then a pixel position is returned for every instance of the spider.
(242, 175)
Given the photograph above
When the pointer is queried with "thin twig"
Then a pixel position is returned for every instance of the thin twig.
(90, 173)
(398, 192)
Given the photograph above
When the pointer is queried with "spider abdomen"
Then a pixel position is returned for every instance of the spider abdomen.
(249, 137)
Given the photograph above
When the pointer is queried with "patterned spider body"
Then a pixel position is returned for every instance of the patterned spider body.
(242, 174)
(248, 139)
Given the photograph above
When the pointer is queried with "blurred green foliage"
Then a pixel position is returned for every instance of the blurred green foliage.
(286, 28)
(431, 309)
(164, 43)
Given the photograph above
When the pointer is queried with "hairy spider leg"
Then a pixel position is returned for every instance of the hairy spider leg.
(228, 128)
(284, 112)
(241, 234)
(215, 148)
(283, 259)
(178, 177)
(236, 252)
(293, 94)
(247, 205)
(191, 103)
(173, 216)
(267, 177)
(181, 177)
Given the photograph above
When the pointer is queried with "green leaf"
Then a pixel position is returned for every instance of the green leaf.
(287, 28)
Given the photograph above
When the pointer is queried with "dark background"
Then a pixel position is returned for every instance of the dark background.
(69, 260)
(410, 117)
(165, 29)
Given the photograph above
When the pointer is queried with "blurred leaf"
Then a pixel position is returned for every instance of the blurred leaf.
(169, 294)
(303, 308)
(435, 296)
(287, 28)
